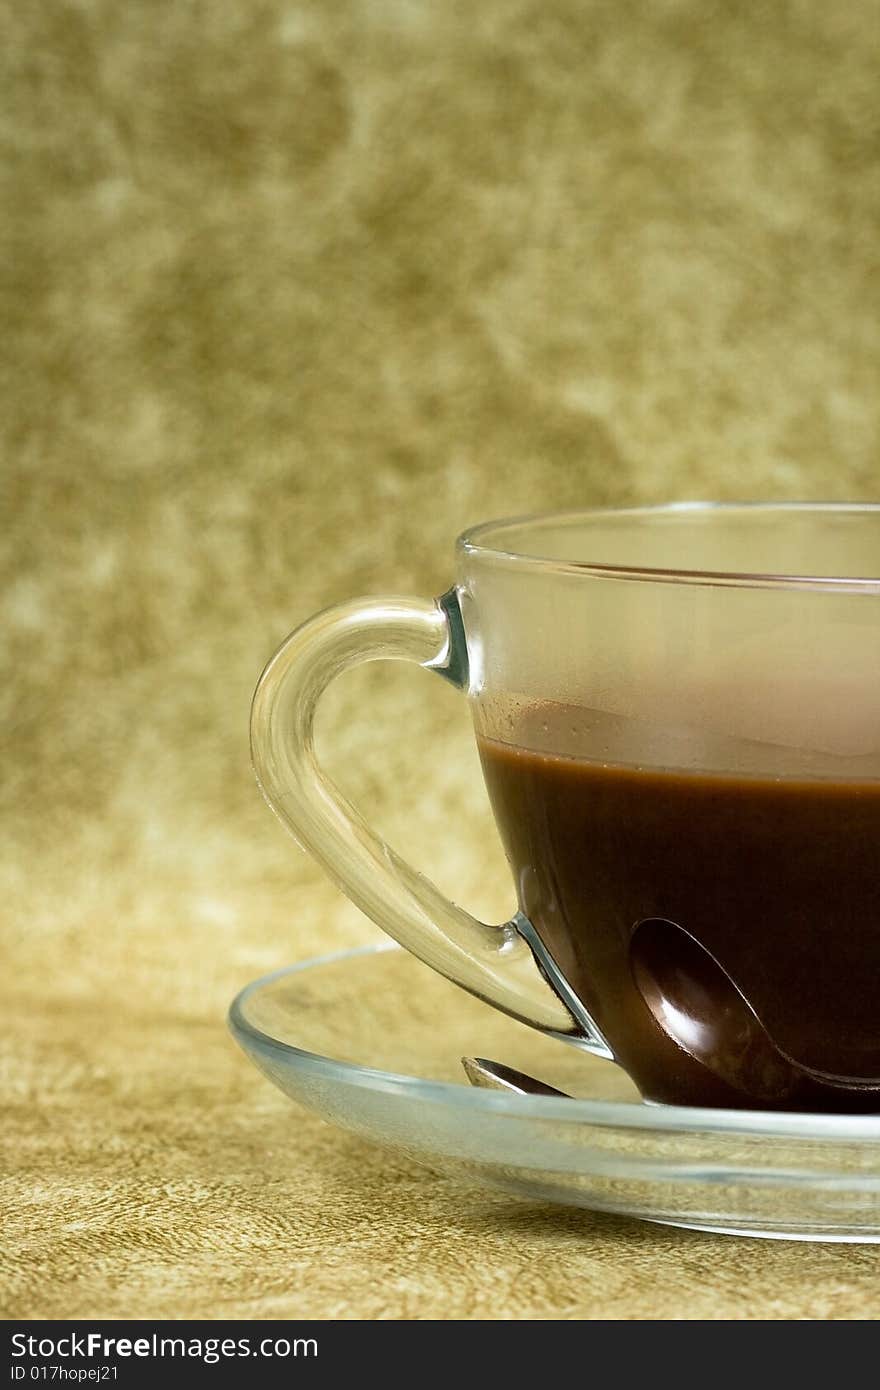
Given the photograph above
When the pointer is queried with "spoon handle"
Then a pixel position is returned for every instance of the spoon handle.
(495, 1076)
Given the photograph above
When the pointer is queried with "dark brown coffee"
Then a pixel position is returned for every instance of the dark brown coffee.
(779, 878)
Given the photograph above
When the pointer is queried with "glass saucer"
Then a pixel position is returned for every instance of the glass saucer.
(372, 1040)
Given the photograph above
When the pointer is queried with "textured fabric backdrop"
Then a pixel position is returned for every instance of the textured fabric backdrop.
(292, 293)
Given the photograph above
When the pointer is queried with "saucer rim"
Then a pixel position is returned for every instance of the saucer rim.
(604, 1113)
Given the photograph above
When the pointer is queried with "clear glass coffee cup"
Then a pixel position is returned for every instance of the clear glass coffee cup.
(678, 716)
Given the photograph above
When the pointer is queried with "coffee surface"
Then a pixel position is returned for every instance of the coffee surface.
(778, 877)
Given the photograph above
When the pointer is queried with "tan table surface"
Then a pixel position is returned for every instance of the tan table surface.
(296, 292)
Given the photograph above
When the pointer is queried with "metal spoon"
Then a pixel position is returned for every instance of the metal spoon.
(698, 1006)
(495, 1076)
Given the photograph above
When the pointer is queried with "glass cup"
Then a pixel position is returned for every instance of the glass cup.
(677, 713)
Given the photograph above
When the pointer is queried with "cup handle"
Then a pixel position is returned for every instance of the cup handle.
(498, 964)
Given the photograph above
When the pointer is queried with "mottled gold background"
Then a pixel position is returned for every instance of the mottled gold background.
(292, 293)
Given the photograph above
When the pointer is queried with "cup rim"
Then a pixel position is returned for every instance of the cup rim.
(475, 544)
